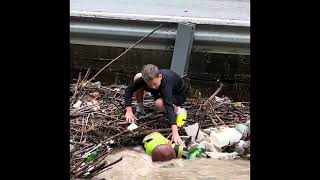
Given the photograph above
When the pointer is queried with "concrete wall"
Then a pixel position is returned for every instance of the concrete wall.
(204, 70)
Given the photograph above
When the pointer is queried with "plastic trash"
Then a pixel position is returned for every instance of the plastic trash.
(96, 84)
(243, 129)
(77, 105)
(238, 104)
(92, 156)
(196, 153)
(194, 131)
(89, 84)
(248, 123)
(209, 147)
(84, 84)
(224, 136)
(224, 156)
(248, 132)
(239, 148)
(93, 149)
(242, 148)
(132, 127)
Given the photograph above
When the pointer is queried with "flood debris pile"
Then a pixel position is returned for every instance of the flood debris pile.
(97, 123)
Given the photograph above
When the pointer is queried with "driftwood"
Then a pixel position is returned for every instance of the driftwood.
(100, 120)
(210, 98)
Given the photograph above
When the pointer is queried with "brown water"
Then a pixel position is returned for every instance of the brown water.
(138, 165)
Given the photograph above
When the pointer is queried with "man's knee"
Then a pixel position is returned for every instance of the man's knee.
(137, 76)
(159, 104)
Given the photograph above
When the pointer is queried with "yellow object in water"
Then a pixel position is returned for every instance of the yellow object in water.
(178, 150)
(84, 84)
(152, 140)
(180, 119)
(238, 104)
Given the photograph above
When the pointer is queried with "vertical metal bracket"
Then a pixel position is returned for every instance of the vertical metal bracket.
(182, 48)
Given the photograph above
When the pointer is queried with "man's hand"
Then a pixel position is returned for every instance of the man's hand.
(130, 116)
(175, 135)
(176, 139)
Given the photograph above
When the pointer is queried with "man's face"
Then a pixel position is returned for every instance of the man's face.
(155, 83)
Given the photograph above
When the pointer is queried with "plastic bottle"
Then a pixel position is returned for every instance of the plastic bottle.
(243, 129)
(92, 156)
(196, 153)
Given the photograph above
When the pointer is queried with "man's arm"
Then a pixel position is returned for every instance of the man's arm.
(175, 134)
(168, 103)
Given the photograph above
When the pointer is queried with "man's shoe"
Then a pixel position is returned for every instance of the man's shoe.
(138, 114)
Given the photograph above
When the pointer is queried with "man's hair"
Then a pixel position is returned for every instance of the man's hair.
(149, 72)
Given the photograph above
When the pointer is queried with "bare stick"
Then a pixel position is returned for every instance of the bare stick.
(120, 159)
(214, 122)
(214, 94)
(112, 137)
(216, 114)
(105, 166)
(125, 52)
(210, 98)
(218, 118)
(82, 128)
(77, 143)
(76, 88)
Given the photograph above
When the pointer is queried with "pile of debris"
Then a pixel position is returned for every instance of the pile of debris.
(97, 122)
(218, 143)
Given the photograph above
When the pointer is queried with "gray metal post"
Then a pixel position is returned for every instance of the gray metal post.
(182, 48)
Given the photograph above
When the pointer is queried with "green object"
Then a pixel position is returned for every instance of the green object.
(243, 129)
(196, 153)
(92, 156)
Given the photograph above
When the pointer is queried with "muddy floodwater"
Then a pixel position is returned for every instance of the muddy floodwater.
(138, 165)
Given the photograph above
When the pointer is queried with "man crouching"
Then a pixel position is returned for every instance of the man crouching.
(168, 90)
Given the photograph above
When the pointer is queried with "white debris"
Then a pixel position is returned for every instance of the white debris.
(225, 156)
(239, 148)
(192, 131)
(94, 104)
(224, 99)
(77, 105)
(96, 84)
(72, 148)
(209, 147)
(132, 126)
(90, 169)
(224, 136)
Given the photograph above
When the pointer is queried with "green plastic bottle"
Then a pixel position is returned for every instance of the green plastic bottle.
(196, 153)
(92, 156)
